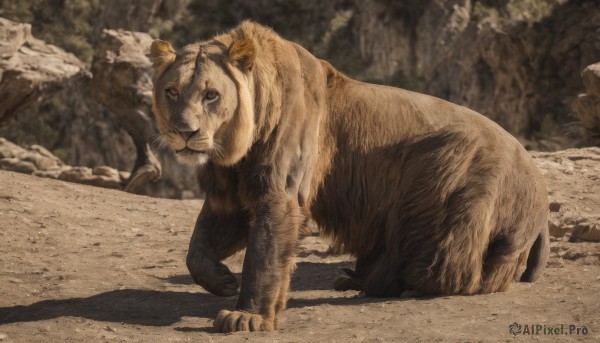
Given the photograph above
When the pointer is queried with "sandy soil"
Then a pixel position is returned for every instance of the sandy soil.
(85, 264)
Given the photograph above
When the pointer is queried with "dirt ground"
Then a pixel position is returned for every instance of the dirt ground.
(85, 264)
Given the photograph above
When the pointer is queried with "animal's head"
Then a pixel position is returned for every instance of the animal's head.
(202, 101)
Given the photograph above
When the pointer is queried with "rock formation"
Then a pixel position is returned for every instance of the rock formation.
(122, 82)
(88, 120)
(30, 70)
(587, 106)
(573, 178)
(137, 15)
(516, 62)
(39, 161)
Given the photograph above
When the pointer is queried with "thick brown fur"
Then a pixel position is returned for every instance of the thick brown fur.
(429, 196)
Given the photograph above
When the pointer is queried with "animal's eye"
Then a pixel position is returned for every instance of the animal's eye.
(211, 95)
(172, 91)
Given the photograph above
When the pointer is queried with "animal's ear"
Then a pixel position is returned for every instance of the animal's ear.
(242, 54)
(161, 53)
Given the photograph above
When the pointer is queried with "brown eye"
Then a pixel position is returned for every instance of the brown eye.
(172, 91)
(211, 95)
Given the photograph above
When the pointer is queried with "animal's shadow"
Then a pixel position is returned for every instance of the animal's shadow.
(308, 276)
(163, 308)
(132, 306)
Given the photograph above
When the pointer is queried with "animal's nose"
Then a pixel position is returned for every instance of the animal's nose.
(184, 127)
(187, 134)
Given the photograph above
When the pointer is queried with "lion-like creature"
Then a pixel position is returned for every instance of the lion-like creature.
(429, 196)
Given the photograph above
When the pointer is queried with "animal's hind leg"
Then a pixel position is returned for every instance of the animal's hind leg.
(348, 283)
(521, 265)
(450, 259)
(505, 261)
(355, 279)
(384, 279)
(498, 276)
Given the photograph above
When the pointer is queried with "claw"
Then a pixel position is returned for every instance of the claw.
(230, 321)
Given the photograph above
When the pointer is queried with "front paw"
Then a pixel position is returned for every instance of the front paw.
(231, 321)
(212, 275)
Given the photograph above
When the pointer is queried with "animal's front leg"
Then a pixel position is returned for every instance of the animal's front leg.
(265, 276)
(216, 236)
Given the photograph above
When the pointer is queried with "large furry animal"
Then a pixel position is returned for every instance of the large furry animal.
(429, 196)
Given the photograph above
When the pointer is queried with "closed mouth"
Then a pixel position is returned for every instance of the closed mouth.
(187, 150)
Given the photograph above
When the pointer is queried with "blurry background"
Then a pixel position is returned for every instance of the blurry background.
(517, 61)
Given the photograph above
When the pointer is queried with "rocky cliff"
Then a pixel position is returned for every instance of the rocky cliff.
(516, 61)
(587, 105)
(122, 82)
(31, 71)
(104, 120)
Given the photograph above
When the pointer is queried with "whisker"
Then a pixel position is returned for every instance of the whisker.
(159, 142)
(221, 150)
(218, 148)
